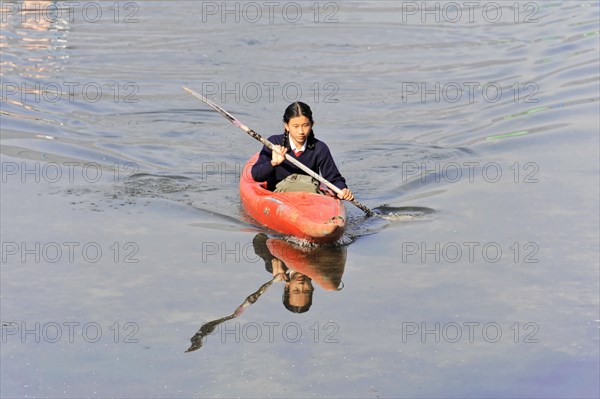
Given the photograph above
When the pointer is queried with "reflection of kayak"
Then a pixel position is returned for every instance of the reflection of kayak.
(313, 217)
(323, 265)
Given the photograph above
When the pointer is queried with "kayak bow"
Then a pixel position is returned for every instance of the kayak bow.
(312, 217)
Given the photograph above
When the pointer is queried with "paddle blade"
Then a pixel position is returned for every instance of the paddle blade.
(402, 213)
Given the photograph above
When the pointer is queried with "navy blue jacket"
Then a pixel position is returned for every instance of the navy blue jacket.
(317, 157)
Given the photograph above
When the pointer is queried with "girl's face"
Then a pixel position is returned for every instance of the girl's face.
(299, 128)
(300, 289)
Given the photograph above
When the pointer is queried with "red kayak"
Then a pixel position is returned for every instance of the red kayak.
(312, 217)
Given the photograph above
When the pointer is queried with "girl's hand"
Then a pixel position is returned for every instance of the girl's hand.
(278, 267)
(278, 155)
(346, 194)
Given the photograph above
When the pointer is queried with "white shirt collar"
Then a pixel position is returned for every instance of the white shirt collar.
(294, 148)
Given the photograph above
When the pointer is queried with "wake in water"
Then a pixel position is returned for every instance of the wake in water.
(385, 216)
(358, 227)
(226, 213)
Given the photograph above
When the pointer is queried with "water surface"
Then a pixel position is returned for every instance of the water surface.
(123, 233)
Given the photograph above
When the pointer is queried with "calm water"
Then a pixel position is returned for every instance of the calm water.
(123, 234)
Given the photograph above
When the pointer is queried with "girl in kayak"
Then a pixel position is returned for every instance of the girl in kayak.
(298, 139)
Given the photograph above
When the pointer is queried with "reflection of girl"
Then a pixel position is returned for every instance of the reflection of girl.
(298, 290)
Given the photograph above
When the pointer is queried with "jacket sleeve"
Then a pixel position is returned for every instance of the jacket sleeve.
(262, 170)
(329, 170)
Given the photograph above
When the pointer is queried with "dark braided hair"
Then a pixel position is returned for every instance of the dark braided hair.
(292, 111)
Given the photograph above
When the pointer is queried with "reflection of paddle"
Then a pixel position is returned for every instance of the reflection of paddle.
(269, 145)
(209, 328)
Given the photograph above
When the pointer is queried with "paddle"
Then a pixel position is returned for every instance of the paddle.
(209, 328)
(269, 145)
